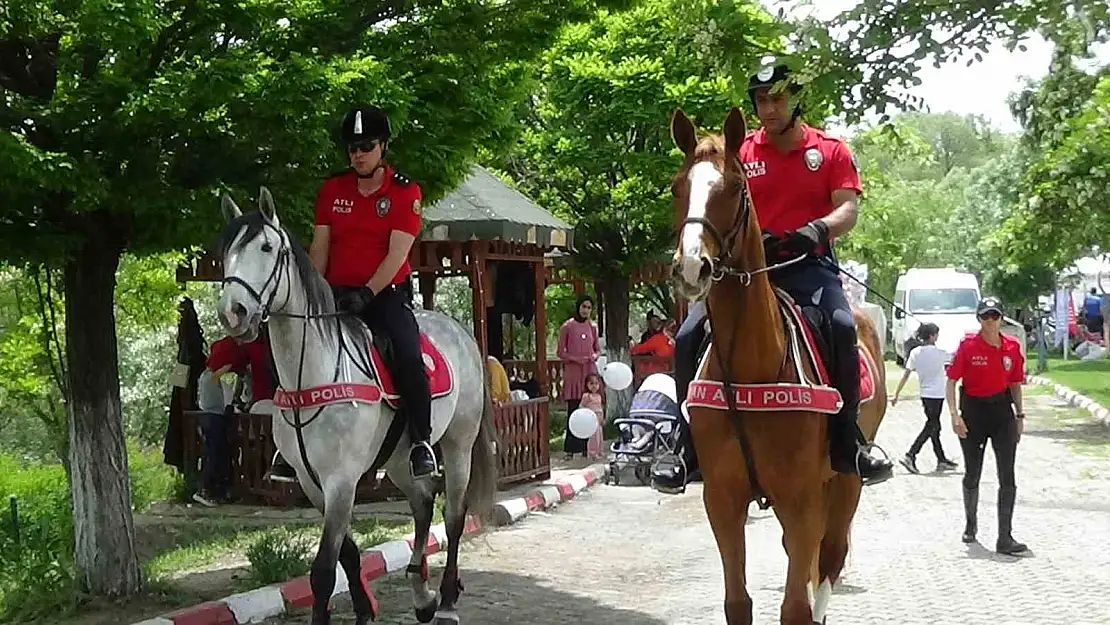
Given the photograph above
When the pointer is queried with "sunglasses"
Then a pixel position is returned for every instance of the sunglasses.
(990, 315)
(363, 146)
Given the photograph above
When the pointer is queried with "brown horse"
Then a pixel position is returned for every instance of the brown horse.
(779, 457)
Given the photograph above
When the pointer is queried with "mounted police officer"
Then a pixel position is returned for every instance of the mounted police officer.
(805, 187)
(367, 220)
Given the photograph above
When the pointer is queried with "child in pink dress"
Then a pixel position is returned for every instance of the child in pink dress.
(592, 399)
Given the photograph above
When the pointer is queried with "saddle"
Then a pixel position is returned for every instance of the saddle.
(809, 341)
(441, 379)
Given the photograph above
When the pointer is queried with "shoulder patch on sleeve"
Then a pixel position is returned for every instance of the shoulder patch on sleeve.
(401, 179)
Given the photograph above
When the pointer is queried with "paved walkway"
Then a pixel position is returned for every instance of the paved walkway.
(625, 555)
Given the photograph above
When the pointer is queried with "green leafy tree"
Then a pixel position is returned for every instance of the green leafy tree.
(596, 148)
(123, 122)
(871, 54)
(1063, 208)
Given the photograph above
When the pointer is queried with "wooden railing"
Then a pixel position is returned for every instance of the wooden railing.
(524, 439)
(642, 366)
(523, 431)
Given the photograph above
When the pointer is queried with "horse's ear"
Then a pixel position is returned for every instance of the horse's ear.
(683, 133)
(230, 210)
(735, 129)
(266, 205)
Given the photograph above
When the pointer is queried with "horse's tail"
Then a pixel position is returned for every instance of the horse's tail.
(482, 487)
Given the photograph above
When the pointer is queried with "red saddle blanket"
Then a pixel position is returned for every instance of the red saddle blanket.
(441, 379)
(807, 395)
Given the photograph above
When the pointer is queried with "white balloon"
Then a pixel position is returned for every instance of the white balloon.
(582, 423)
(617, 376)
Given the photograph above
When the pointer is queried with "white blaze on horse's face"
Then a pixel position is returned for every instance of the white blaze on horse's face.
(252, 262)
(695, 258)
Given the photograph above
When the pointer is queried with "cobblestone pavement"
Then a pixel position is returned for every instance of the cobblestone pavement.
(625, 555)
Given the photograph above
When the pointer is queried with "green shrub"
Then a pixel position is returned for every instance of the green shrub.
(36, 553)
(36, 560)
(279, 555)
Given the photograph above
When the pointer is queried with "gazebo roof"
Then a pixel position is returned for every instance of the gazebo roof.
(483, 207)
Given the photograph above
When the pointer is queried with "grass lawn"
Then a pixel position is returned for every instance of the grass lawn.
(1091, 377)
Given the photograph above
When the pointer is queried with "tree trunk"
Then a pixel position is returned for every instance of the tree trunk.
(614, 291)
(107, 563)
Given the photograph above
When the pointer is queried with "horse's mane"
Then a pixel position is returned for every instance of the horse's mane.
(317, 291)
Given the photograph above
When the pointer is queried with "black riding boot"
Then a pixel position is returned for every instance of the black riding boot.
(423, 460)
(280, 471)
(971, 514)
(849, 456)
(1006, 543)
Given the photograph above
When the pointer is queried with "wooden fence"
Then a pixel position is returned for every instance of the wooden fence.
(523, 430)
(641, 365)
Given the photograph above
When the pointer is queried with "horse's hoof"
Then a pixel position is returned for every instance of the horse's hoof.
(426, 613)
(447, 617)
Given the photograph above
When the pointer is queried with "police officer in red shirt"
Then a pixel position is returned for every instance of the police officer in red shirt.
(990, 408)
(805, 187)
(367, 220)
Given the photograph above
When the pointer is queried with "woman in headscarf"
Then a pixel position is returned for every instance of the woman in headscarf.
(578, 349)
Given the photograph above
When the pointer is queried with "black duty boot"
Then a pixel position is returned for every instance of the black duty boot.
(1006, 543)
(873, 470)
(280, 471)
(668, 474)
(848, 456)
(971, 513)
(423, 461)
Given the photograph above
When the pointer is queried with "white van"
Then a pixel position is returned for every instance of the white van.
(942, 296)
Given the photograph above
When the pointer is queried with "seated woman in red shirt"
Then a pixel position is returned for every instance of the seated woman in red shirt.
(660, 345)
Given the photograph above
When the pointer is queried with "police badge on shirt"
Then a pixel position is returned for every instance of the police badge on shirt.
(383, 206)
(813, 159)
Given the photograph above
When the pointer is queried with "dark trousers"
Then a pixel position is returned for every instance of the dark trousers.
(216, 468)
(810, 284)
(931, 431)
(989, 419)
(391, 314)
(571, 443)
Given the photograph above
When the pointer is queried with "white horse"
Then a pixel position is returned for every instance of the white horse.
(332, 423)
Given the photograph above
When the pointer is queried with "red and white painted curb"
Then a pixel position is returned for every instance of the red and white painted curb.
(1075, 399)
(378, 561)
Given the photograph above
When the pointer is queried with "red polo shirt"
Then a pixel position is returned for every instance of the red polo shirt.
(361, 225)
(793, 188)
(987, 370)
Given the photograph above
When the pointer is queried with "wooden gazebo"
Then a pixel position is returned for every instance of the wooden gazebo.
(480, 228)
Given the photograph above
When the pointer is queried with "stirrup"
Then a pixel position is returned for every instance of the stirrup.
(431, 452)
(886, 475)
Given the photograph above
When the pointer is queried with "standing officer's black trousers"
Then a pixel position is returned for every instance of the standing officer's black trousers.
(989, 418)
(390, 314)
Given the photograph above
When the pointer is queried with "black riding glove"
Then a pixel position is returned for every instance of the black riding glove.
(355, 300)
(808, 238)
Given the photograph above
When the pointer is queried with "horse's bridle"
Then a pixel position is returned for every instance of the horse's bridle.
(721, 265)
(282, 265)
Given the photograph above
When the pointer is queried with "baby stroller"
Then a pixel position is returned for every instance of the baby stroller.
(648, 431)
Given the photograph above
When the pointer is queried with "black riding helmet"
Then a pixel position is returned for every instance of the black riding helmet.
(988, 304)
(365, 123)
(770, 74)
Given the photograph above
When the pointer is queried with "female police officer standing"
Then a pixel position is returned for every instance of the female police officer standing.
(993, 369)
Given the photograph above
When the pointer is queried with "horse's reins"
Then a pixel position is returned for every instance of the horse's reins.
(720, 267)
(282, 265)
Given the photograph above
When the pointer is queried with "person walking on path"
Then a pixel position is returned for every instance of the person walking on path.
(993, 369)
(928, 361)
(578, 349)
